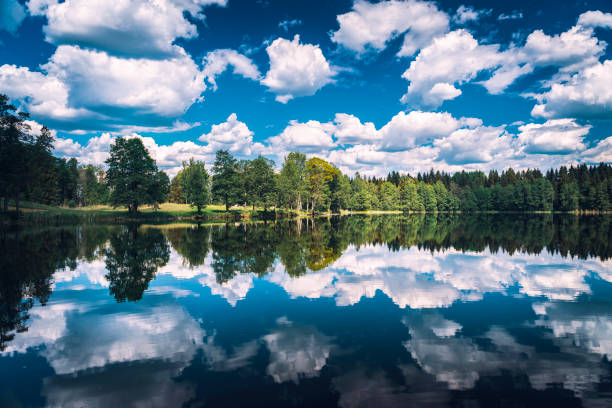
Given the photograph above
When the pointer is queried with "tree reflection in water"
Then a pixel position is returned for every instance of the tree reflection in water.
(132, 260)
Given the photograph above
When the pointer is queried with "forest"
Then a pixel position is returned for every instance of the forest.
(30, 172)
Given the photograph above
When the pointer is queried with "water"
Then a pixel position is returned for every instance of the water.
(353, 311)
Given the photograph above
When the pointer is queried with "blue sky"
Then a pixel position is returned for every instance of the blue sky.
(371, 86)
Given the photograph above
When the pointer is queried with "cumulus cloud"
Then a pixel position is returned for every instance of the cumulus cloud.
(595, 19)
(560, 136)
(217, 61)
(600, 153)
(296, 69)
(479, 145)
(350, 130)
(232, 135)
(97, 80)
(140, 28)
(12, 14)
(455, 58)
(586, 95)
(572, 48)
(80, 87)
(46, 96)
(405, 131)
(372, 25)
(309, 137)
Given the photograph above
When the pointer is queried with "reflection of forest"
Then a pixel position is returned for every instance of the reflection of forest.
(29, 259)
(133, 254)
(307, 244)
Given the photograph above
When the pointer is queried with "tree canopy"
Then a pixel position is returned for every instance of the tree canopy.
(133, 176)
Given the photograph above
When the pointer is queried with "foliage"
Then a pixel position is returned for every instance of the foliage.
(226, 186)
(133, 176)
(194, 182)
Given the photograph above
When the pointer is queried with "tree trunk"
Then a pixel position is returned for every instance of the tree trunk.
(5, 204)
(226, 206)
(17, 203)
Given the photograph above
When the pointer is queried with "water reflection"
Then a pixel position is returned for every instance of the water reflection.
(132, 259)
(351, 311)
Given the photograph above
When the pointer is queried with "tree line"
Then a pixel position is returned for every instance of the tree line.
(317, 186)
(28, 170)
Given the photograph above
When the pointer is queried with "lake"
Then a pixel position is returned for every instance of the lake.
(421, 310)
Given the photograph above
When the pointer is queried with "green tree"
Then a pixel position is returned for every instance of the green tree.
(195, 184)
(133, 177)
(569, 196)
(176, 189)
(92, 188)
(226, 184)
(428, 196)
(361, 199)
(262, 182)
(14, 148)
(319, 174)
(389, 196)
(42, 170)
(340, 190)
(410, 200)
(292, 181)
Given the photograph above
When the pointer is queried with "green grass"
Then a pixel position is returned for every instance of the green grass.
(166, 211)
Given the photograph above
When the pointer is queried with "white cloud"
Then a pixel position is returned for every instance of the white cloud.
(97, 80)
(585, 95)
(479, 145)
(455, 58)
(372, 25)
(46, 96)
(405, 131)
(217, 61)
(350, 130)
(287, 24)
(600, 153)
(232, 135)
(560, 136)
(296, 69)
(458, 58)
(466, 14)
(139, 28)
(595, 19)
(78, 85)
(12, 14)
(308, 137)
(571, 49)
(515, 15)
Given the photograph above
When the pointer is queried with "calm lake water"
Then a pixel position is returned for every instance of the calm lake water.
(355, 311)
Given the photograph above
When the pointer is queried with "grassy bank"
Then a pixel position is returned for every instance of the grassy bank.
(39, 213)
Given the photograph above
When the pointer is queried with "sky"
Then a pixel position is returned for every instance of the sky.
(370, 86)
